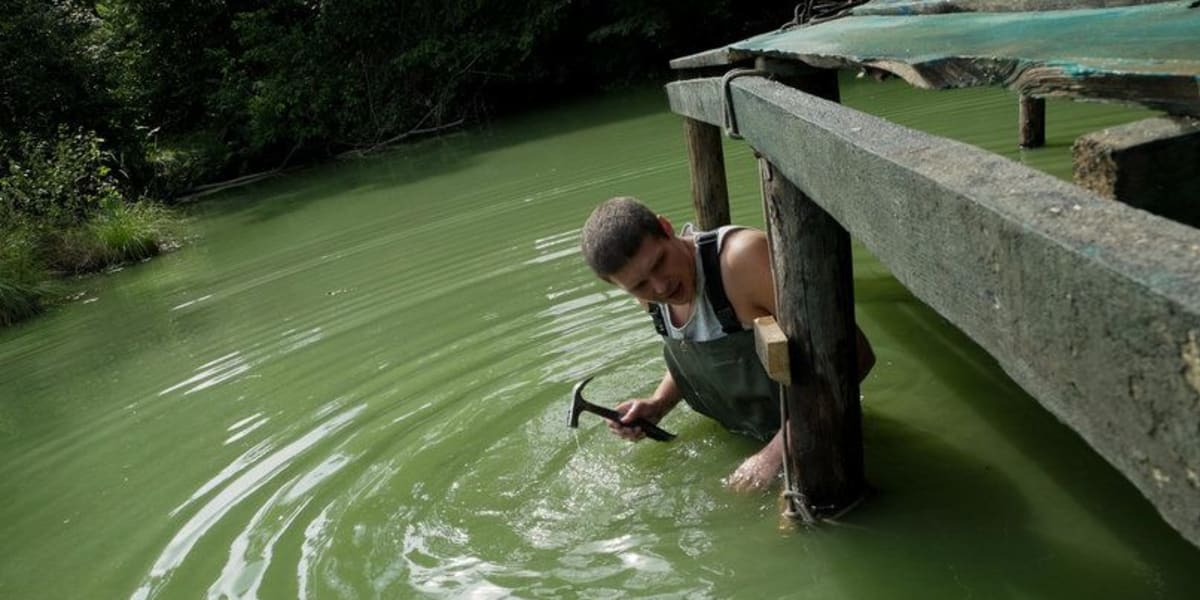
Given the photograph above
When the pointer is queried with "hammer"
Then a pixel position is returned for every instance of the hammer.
(578, 405)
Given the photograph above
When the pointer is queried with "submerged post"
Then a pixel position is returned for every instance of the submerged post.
(1032, 124)
(710, 194)
(814, 295)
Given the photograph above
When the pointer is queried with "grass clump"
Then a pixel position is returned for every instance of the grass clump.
(24, 286)
(118, 233)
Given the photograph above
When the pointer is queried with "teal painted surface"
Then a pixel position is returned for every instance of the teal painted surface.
(914, 7)
(352, 382)
(1157, 39)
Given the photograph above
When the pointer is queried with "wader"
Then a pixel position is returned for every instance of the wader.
(721, 378)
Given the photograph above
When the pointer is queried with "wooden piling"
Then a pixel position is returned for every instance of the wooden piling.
(710, 193)
(814, 295)
(810, 259)
(1032, 122)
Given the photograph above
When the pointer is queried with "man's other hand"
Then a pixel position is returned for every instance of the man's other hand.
(760, 470)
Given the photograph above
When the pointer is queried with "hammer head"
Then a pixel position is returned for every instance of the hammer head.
(577, 403)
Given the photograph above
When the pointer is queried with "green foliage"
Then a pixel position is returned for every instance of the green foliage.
(180, 162)
(168, 56)
(55, 182)
(52, 70)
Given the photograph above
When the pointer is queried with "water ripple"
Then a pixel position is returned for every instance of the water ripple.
(258, 475)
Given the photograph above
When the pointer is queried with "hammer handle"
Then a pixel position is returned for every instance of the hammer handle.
(651, 430)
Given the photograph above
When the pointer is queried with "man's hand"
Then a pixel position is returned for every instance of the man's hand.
(632, 410)
(760, 470)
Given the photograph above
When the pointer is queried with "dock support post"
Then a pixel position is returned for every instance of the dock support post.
(1032, 117)
(1153, 164)
(710, 193)
(814, 295)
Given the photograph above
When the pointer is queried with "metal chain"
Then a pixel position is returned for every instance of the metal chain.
(812, 12)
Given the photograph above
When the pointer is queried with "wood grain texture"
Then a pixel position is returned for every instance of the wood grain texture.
(814, 295)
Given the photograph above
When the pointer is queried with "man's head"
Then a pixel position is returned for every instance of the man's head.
(614, 232)
(626, 244)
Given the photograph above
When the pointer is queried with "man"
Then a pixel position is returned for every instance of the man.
(703, 291)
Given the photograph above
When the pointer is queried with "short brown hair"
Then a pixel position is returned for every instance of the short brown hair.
(614, 232)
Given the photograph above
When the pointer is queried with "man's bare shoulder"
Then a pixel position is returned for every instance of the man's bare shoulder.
(746, 269)
(744, 249)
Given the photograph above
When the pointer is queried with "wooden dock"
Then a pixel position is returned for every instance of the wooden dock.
(1090, 304)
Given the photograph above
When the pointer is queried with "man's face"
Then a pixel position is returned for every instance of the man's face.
(662, 270)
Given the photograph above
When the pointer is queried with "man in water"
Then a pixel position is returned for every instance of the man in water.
(702, 290)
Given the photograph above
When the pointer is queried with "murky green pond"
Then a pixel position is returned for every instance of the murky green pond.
(352, 383)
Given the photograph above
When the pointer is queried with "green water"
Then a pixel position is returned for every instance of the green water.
(352, 383)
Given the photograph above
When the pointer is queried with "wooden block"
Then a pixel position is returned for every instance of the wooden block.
(1153, 164)
(772, 348)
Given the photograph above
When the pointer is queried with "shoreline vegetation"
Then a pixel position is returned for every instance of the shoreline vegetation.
(112, 111)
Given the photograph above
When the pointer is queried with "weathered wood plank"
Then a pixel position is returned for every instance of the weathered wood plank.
(1092, 306)
(717, 57)
(706, 157)
(1146, 54)
(1152, 164)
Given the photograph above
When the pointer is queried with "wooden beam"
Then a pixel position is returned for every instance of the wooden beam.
(1031, 122)
(1093, 307)
(1152, 164)
(710, 193)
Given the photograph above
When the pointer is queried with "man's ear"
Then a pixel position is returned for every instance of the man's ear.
(667, 228)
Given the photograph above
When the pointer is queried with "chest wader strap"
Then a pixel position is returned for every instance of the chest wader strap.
(714, 286)
(656, 313)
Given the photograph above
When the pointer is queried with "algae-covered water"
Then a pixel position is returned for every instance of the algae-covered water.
(352, 383)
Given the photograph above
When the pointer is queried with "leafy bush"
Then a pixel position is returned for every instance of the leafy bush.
(55, 182)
